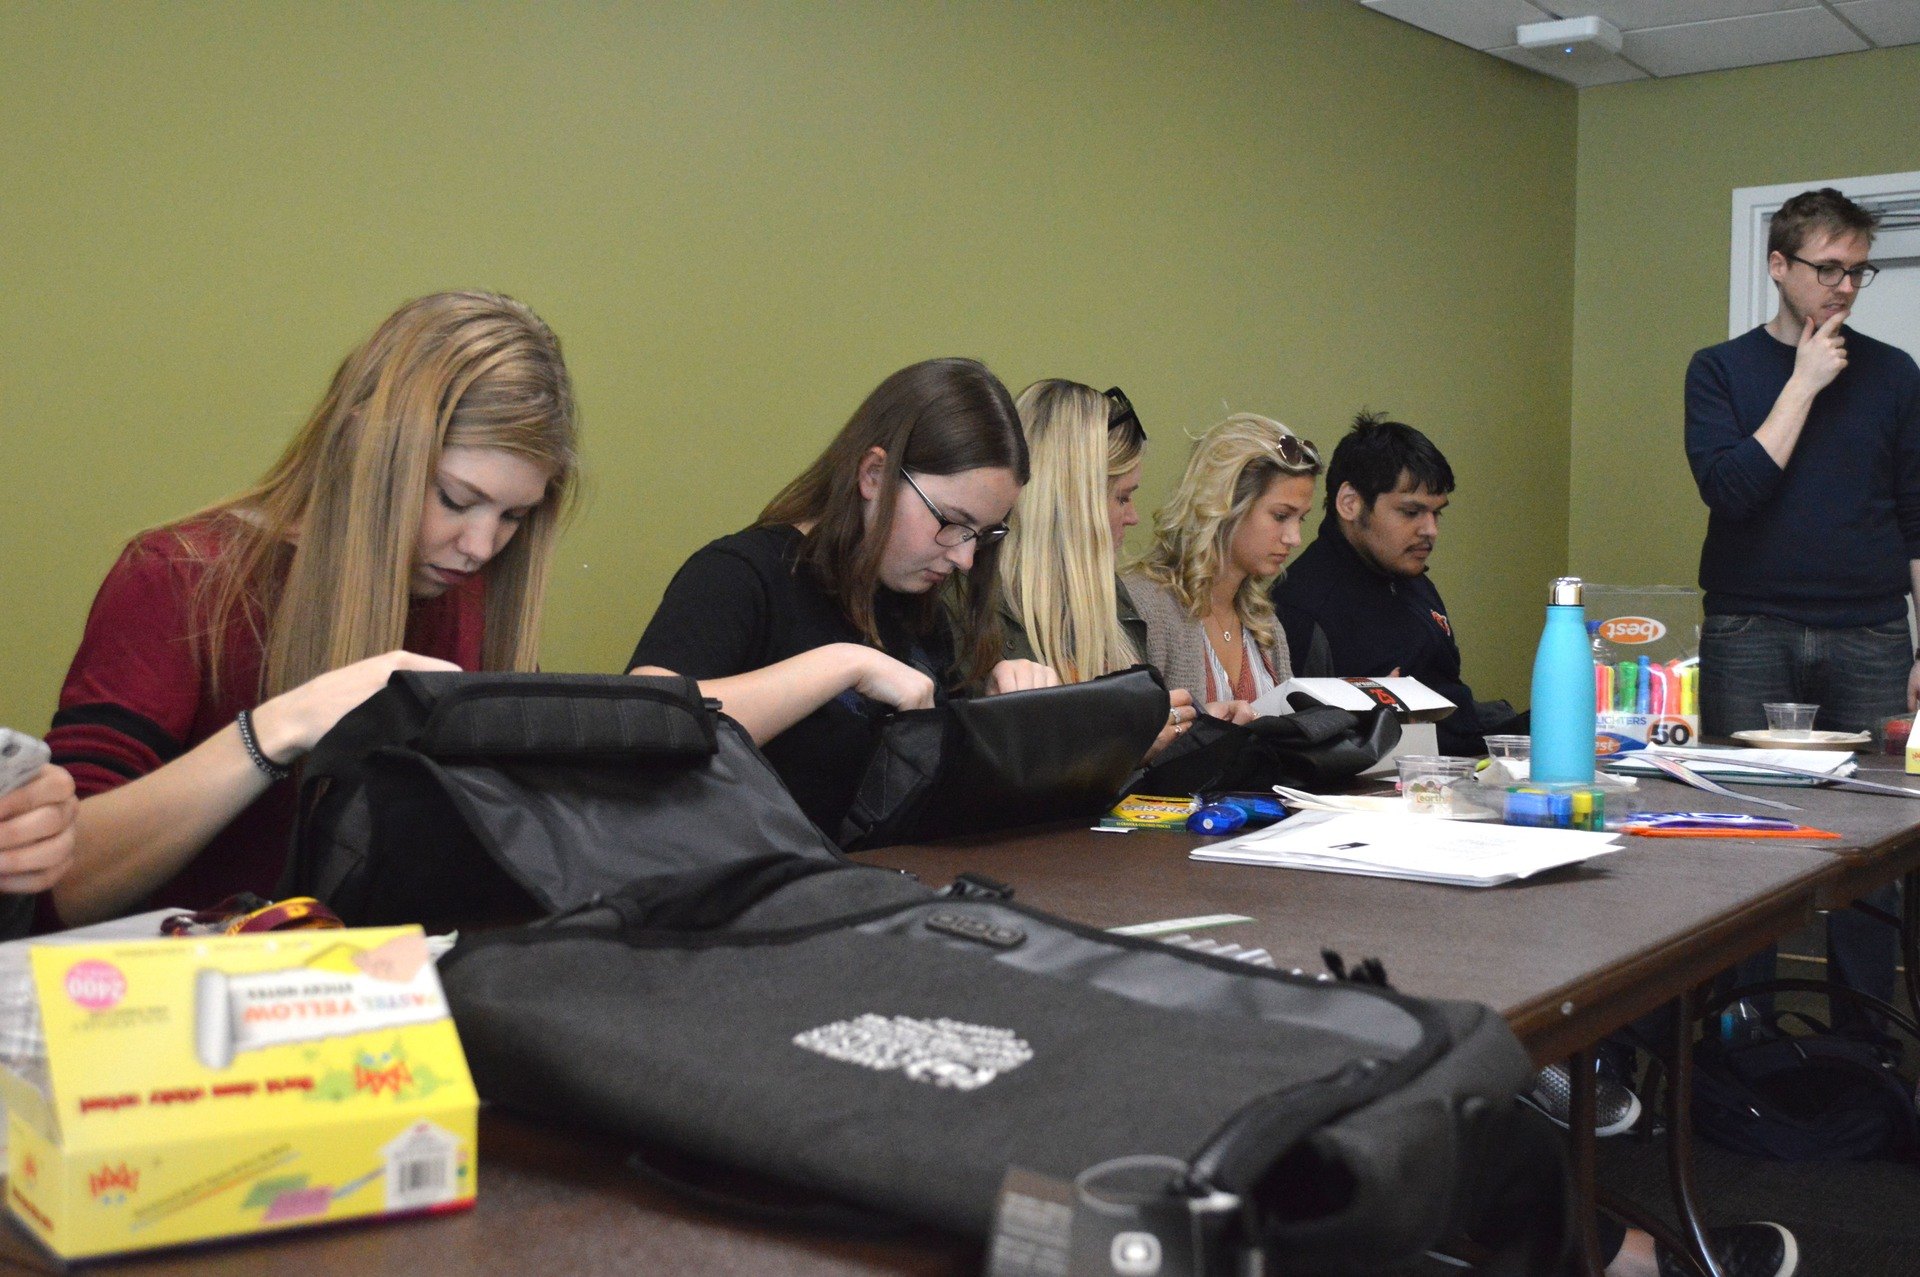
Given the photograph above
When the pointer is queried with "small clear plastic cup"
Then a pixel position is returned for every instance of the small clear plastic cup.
(1792, 720)
(1512, 754)
(1427, 781)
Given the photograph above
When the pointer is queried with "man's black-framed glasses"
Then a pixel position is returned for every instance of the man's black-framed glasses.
(953, 534)
(1832, 273)
(1121, 416)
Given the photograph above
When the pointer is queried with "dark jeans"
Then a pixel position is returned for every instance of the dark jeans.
(1858, 677)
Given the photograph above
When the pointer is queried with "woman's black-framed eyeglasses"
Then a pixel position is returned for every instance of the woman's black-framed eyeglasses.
(1121, 416)
(953, 534)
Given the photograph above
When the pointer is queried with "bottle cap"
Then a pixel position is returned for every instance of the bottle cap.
(1567, 592)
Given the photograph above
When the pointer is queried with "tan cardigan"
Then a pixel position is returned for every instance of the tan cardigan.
(1177, 643)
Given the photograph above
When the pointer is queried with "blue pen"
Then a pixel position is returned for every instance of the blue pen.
(1643, 694)
(1708, 820)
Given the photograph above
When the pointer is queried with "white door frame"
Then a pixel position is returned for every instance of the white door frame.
(1750, 300)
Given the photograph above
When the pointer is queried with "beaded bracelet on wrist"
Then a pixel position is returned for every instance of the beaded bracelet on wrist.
(272, 770)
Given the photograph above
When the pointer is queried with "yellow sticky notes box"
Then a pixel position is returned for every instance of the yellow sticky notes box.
(201, 1088)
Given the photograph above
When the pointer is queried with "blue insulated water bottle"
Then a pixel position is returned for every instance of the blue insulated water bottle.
(1563, 690)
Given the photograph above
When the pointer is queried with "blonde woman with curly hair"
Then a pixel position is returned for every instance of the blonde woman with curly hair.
(408, 525)
(1219, 542)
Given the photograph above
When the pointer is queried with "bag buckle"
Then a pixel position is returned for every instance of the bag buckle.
(973, 886)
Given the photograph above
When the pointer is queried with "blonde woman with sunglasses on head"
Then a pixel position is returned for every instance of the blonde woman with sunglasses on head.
(1064, 604)
(408, 525)
(1219, 542)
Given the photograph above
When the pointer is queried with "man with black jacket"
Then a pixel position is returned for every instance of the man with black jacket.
(1363, 582)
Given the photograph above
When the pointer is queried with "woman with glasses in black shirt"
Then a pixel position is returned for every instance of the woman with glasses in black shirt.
(868, 583)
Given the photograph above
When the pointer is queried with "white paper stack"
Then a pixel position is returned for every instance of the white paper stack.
(1417, 848)
(1733, 764)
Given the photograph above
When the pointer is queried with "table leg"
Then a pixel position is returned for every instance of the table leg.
(1680, 1137)
(1910, 938)
(1580, 1127)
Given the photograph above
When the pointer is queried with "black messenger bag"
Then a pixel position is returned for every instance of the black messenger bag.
(996, 762)
(454, 799)
(1315, 745)
(844, 1030)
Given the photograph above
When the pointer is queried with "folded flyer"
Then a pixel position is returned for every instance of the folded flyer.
(1409, 698)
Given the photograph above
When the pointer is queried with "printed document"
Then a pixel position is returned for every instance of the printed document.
(1418, 848)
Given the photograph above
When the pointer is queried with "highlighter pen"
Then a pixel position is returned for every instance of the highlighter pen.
(1623, 686)
(1643, 690)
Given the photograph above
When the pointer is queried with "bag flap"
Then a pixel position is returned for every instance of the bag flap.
(535, 716)
(995, 762)
(1315, 724)
(1314, 746)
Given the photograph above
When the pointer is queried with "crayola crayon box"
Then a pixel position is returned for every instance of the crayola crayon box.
(208, 1087)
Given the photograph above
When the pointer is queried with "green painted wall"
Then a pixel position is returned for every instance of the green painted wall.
(739, 218)
(1659, 162)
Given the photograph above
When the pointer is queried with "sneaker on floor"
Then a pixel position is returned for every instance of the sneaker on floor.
(1615, 1107)
(1744, 1250)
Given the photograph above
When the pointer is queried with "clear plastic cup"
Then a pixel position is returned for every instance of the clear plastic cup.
(1427, 781)
(1512, 754)
(1790, 719)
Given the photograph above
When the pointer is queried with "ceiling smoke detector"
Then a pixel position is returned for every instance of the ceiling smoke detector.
(1571, 37)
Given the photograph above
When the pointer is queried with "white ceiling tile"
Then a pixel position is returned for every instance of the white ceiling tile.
(1885, 22)
(1479, 24)
(1585, 71)
(1740, 42)
(1630, 15)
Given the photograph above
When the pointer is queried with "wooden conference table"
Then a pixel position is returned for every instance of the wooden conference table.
(1567, 959)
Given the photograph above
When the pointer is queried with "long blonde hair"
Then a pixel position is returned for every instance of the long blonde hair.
(318, 555)
(1231, 465)
(1058, 565)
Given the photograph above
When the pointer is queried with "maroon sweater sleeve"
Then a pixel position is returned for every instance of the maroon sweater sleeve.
(129, 699)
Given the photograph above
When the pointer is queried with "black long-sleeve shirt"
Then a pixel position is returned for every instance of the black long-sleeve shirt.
(1826, 540)
(1374, 623)
(744, 602)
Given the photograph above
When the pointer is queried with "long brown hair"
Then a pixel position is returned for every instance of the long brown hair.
(941, 416)
(318, 554)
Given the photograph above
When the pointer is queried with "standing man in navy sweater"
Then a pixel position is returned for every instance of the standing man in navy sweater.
(1804, 438)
